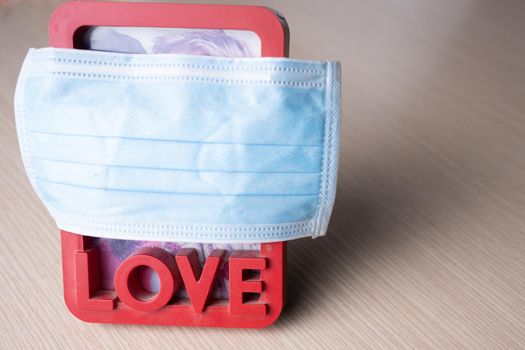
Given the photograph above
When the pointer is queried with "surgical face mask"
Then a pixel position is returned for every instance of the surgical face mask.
(180, 148)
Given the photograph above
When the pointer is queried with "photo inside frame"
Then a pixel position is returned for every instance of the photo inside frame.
(151, 40)
(206, 42)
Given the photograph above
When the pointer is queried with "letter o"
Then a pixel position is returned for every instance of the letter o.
(127, 284)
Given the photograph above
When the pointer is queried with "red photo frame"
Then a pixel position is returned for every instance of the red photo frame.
(80, 258)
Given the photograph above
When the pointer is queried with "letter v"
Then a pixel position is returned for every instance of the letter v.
(198, 281)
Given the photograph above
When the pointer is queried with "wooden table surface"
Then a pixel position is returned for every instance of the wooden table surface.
(426, 247)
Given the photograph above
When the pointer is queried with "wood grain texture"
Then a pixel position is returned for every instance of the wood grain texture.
(426, 247)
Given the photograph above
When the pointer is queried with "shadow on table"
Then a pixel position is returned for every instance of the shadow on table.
(389, 187)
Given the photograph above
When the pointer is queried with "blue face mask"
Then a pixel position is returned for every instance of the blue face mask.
(180, 148)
